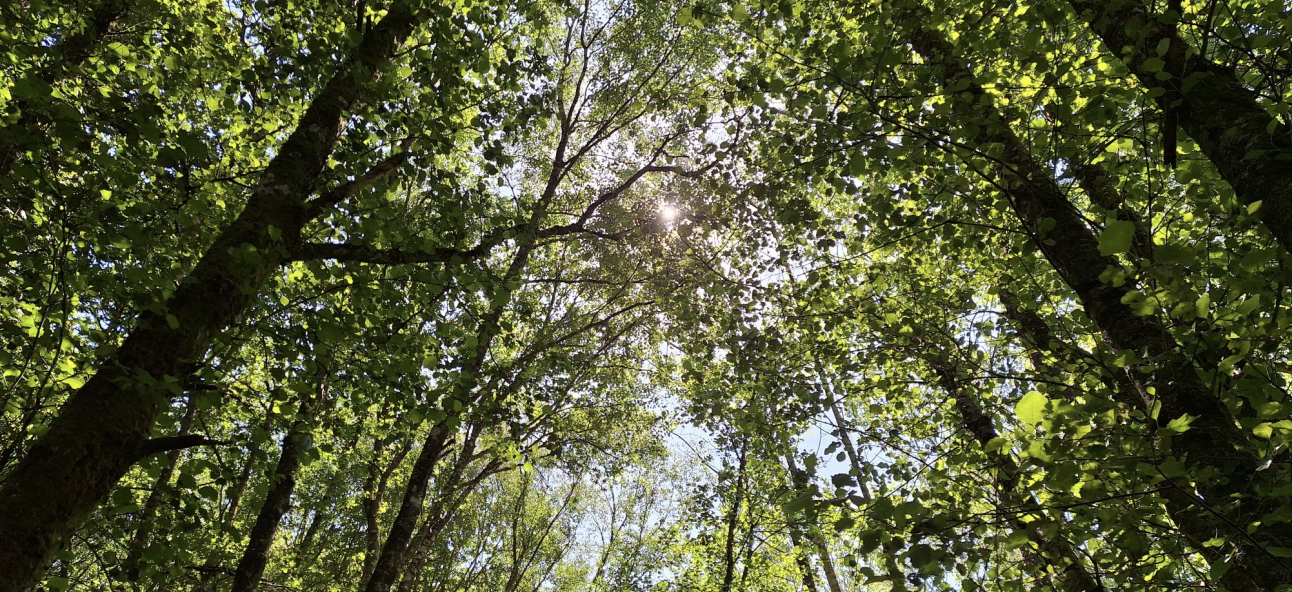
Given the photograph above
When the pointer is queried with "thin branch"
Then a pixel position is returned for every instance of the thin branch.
(168, 443)
(317, 206)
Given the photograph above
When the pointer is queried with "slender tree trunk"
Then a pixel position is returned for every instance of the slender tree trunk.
(525, 554)
(239, 489)
(371, 507)
(307, 555)
(1248, 146)
(374, 495)
(733, 521)
(432, 534)
(805, 567)
(251, 568)
(1073, 251)
(148, 518)
(1122, 384)
(452, 493)
(1055, 551)
(101, 429)
(814, 533)
(844, 436)
(392, 559)
(306, 543)
(410, 510)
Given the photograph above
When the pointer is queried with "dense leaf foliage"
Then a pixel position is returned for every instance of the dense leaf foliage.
(718, 296)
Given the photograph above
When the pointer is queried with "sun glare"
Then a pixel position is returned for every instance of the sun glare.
(668, 213)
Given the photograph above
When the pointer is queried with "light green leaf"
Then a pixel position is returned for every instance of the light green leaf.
(1031, 408)
(1037, 451)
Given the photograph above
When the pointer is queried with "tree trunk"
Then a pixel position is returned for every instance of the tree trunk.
(1053, 550)
(101, 429)
(374, 493)
(251, 568)
(733, 521)
(442, 511)
(1073, 251)
(1037, 334)
(805, 568)
(148, 518)
(814, 533)
(1248, 146)
(849, 449)
(239, 489)
(410, 510)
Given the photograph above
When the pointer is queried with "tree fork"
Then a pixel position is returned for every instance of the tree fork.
(442, 509)
(410, 510)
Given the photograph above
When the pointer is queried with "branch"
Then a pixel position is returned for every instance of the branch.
(169, 443)
(366, 254)
(379, 171)
(629, 182)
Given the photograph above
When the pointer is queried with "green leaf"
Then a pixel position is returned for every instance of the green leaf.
(1037, 451)
(1116, 237)
(1173, 254)
(1016, 539)
(802, 501)
(1031, 408)
(1180, 424)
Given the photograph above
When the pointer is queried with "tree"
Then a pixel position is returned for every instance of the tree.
(725, 296)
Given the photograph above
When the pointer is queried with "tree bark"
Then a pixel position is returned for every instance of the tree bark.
(800, 478)
(1053, 550)
(1098, 185)
(452, 493)
(251, 567)
(410, 510)
(1248, 146)
(849, 449)
(374, 493)
(102, 427)
(1038, 336)
(1073, 251)
(733, 521)
(805, 568)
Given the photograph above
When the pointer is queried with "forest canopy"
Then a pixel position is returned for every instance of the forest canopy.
(627, 296)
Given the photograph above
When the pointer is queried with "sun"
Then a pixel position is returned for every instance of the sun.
(668, 213)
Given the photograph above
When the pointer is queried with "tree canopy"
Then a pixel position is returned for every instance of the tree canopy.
(615, 296)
